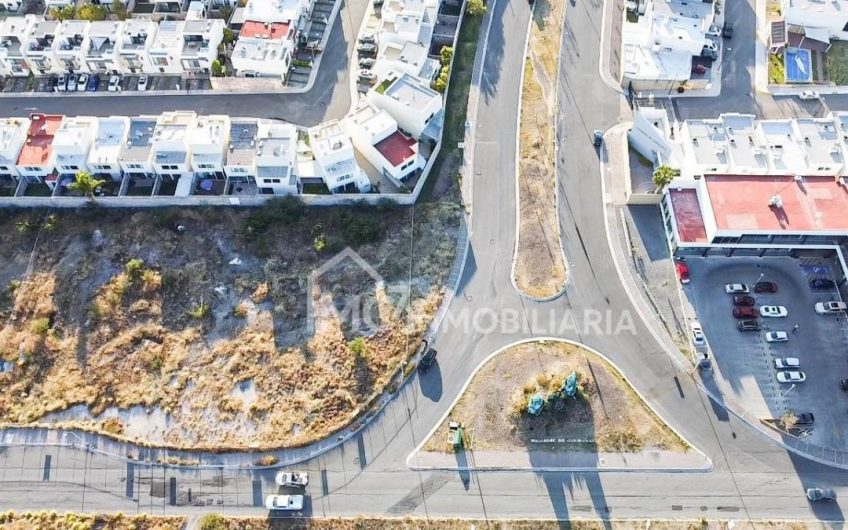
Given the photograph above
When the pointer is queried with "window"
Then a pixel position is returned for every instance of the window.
(32, 168)
(160, 61)
(3, 168)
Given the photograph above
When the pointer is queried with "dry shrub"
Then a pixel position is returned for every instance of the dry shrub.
(267, 460)
(113, 426)
(260, 294)
(240, 311)
(151, 281)
(110, 297)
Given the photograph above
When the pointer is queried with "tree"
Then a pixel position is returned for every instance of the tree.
(664, 175)
(119, 10)
(86, 184)
(475, 8)
(91, 12)
(445, 55)
(67, 12)
(217, 69)
(229, 36)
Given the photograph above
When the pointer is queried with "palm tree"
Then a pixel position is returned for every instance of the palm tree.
(664, 175)
(86, 184)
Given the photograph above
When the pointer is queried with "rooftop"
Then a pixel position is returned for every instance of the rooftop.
(102, 37)
(174, 126)
(259, 49)
(708, 141)
(277, 140)
(272, 10)
(73, 131)
(687, 215)
(71, 34)
(409, 53)
(39, 142)
(396, 148)
(12, 33)
(13, 131)
(169, 35)
(136, 33)
(137, 148)
(242, 148)
(781, 143)
(210, 130)
(821, 141)
(111, 134)
(411, 92)
(812, 203)
(264, 30)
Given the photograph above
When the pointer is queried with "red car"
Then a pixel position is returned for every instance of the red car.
(765, 287)
(745, 312)
(682, 271)
(743, 300)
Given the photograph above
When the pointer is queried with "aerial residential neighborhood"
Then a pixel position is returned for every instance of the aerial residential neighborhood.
(423, 264)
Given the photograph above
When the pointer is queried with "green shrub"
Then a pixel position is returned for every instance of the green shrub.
(213, 521)
(40, 326)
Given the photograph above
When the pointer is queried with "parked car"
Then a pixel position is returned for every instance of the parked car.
(709, 53)
(727, 30)
(822, 284)
(743, 299)
(809, 94)
(682, 272)
(697, 334)
(72, 83)
(597, 137)
(765, 287)
(711, 45)
(366, 75)
(284, 502)
(114, 84)
(366, 48)
(804, 418)
(93, 83)
(297, 479)
(830, 308)
(777, 336)
(748, 325)
(366, 63)
(783, 363)
(62, 83)
(791, 376)
(714, 31)
(82, 82)
(368, 38)
(142, 83)
(745, 312)
(773, 311)
(428, 357)
(821, 494)
(736, 288)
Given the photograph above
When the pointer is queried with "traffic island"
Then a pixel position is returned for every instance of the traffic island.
(539, 270)
(553, 405)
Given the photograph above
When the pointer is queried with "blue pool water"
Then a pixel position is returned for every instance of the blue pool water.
(799, 65)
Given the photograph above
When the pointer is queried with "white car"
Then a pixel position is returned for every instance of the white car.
(698, 334)
(786, 362)
(777, 336)
(295, 479)
(142, 83)
(809, 94)
(82, 82)
(830, 308)
(736, 288)
(72, 83)
(773, 311)
(284, 502)
(791, 376)
(711, 45)
(114, 83)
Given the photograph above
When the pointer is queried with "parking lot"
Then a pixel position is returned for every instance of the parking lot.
(128, 83)
(743, 362)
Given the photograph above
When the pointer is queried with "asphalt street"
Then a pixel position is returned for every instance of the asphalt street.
(752, 477)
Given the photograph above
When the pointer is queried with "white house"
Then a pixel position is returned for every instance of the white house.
(13, 33)
(171, 151)
(71, 144)
(240, 163)
(276, 158)
(263, 49)
(208, 143)
(68, 50)
(201, 39)
(167, 48)
(406, 58)
(136, 158)
(13, 135)
(409, 101)
(104, 157)
(137, 36)
(818, 17)
(375, 134)
(335, 160)
(101, 47)
(293, 12)
(38, 47)
(36, 159)
(10, 6)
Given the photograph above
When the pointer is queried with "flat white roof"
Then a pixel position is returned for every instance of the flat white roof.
(272, 10)
(373, 119)
(644, 62)
(411, 92)
(821, 141)
(169, 35)
(707, 141)
(13, 132)
(781, 143)
(73, 131)
(261, 50)
(111, 135)
(408, 53)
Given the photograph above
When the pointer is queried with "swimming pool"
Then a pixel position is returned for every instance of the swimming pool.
(798, 65)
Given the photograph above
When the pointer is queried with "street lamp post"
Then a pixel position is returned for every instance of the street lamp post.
(788, 391)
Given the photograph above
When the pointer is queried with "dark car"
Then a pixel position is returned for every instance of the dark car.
(745, 312)
(597, 137)
(428, 357)
(748, 325)
(765, 287)
(821, 284)
(727, 32)
(743, 300)
(805, 418)
(821, 494)
(93, 83)
(52, 83)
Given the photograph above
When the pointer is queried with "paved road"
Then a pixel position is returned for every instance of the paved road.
(328, 99)
(368, 473)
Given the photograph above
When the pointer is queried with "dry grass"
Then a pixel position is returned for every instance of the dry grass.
(539, 269)
(132, 333)
(607, 415)
(72, 521)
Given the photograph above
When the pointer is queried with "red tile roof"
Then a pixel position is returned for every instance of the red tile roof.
(265, 30)
(396, 148)
(39, 142)
(687, 216)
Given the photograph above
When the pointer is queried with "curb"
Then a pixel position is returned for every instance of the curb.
(603, 72)
(621, 373)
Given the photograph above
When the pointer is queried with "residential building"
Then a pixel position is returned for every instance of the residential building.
(101, 47)
(375, 134)
(171, 151)
(409, 101)
(201, 39)
(263, 49)
(13, 33)
(71, 144)
(10, 6)
(38, 47)
(208, 143)
(13, 135)
(136, 158)
(404, 21)
(169, 7)
(136, 39)
(819, 19)
(240, 163)
(36, 159)
(68, 50)
(276, 158)
(166, 50)
(406, 58)
(335, 160)
(104, 157)
(293, 12)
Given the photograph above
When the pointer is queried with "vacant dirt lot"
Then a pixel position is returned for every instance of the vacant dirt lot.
(72, 521)
(609, 418)
(190, 328)
(539, 269)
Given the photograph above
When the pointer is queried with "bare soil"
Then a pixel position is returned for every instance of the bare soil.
(608, 417)
(539, 269)
(188, 328)
(55, 521)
